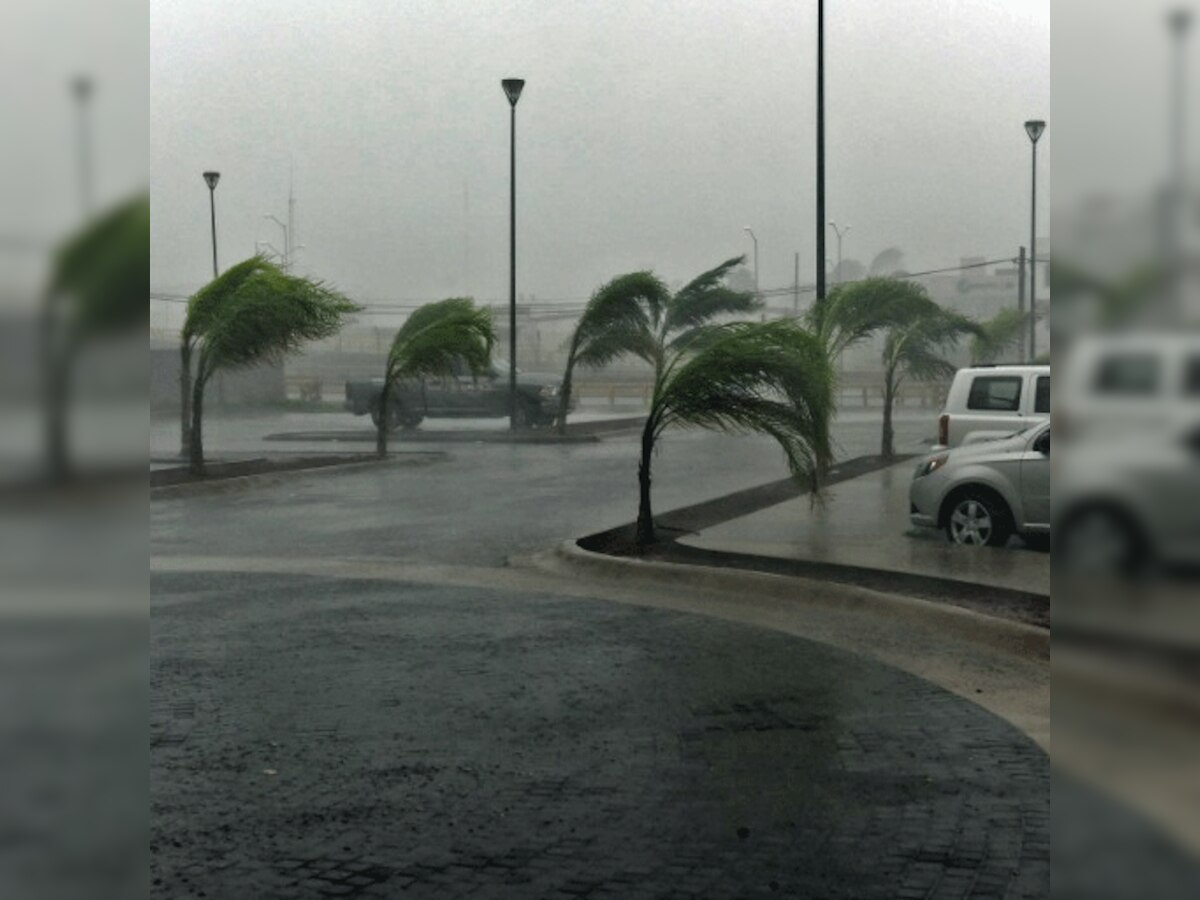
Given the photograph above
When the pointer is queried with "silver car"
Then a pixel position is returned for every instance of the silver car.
(982, 493)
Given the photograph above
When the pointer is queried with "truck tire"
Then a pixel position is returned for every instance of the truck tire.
(393, 419)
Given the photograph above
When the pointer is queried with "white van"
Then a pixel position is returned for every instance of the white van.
(986, 403)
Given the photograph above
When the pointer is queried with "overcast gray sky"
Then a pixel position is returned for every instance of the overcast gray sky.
(649, 134)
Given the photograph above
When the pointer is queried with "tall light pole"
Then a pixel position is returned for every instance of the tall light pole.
(512, 90)
(1180, 21)
(841, 234)
(82, 87)
(750, 231)
(1034, 128)
(211, 179)
(820, 149)
(287, 246)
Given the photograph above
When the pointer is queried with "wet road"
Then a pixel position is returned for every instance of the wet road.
(479, 505)
(460, 732)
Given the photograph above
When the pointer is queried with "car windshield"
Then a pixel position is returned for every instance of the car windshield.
(500, 367)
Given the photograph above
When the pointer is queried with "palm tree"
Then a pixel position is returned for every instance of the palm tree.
(636, 314)
(255, 312)
(998, 335)
(742, 377)
(851, 313)
(915, 350)
(772, 378)
(97, 287)
(203, 307)
(614, 323)
(429, 344)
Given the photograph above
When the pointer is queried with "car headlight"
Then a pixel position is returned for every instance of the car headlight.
(929, 466)
(548, 390)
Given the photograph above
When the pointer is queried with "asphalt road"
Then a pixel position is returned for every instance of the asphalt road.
(482, 504)
(419, 736)
(314, 737)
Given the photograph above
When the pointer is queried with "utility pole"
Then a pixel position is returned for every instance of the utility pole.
(841, 234)
(1021, 298)
(820, 149)
(796, 287)
(291, 215)
(82, 87)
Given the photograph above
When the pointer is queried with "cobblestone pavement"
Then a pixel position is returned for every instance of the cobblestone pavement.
(314, 737)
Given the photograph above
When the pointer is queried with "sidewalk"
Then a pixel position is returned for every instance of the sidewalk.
(864, 523)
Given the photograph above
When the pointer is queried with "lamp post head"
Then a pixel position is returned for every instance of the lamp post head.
(211, 179)
(1180, 20)
(512, 89)
(1034, 128)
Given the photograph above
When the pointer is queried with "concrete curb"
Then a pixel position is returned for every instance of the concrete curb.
(1017, 638)
(244, 482)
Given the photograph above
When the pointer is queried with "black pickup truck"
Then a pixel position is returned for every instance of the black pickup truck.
(459, 396)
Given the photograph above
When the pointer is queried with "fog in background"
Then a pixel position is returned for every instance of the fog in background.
(648, 135)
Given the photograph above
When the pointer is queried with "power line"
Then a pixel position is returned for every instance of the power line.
(790, 290)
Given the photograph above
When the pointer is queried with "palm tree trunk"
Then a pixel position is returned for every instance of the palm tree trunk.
(564, 399)
(185, 397)
(887, 444)
(57, 380)
(645, 521)
(381, 430)
(196, 437)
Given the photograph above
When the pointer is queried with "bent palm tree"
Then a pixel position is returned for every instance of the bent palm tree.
(255, 312)
(851, 313)
(202, 308)
(637, 315)
(772, 378)
(99, 275)
(429, 344)
(914, 350)
(998, 335)
(614, 323)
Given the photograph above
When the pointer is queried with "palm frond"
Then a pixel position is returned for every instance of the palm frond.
(437, 337)
(617, 319)
(206, 304)
(268, 315)
(998, 335)
(917, 347)
(105, 268)
(851, 313)
(773, 378)
(705, 297)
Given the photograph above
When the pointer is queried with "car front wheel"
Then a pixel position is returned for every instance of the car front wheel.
(977, 519)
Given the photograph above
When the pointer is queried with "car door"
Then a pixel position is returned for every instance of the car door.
(1035, 480)
(469, 399)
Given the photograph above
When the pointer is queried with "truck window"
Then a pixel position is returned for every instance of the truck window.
(1128, 375)
(1191, 377)
(995, 393)
(1041, 399)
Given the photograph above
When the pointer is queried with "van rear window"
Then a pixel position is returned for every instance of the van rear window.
(995, 393)
(1041, 400)
(1128, 375)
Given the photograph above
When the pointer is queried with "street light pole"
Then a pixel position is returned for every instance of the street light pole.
(1180, 21)
(841, 233)
(512, 90)
(1034, 128)
(211, 179)
(82, 87)
(750, 232)
(820, 149)
(287, 246)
